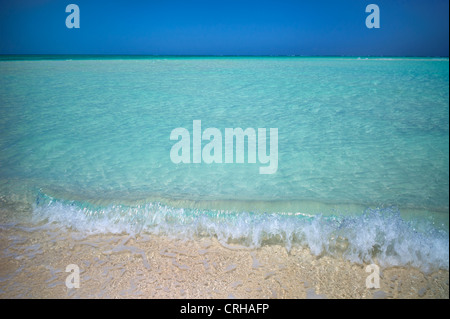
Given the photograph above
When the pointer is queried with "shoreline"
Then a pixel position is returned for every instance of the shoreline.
(33, 262)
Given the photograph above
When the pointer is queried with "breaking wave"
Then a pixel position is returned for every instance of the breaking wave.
(376, 235)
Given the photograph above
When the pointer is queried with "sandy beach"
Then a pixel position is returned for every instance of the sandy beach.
(33, 263)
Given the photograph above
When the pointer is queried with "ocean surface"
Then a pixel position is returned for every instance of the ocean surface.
(363, 151)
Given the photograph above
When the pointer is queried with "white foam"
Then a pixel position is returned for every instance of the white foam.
(377, 235)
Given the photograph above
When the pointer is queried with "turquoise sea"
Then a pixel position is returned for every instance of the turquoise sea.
(363, 151)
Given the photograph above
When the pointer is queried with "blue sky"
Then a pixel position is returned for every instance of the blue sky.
(226, 27)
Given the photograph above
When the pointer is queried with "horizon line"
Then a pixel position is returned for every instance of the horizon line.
(2, 55)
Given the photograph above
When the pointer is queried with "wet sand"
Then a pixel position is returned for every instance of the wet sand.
(33, 263)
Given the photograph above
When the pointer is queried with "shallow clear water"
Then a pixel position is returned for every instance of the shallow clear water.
(82, 137)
